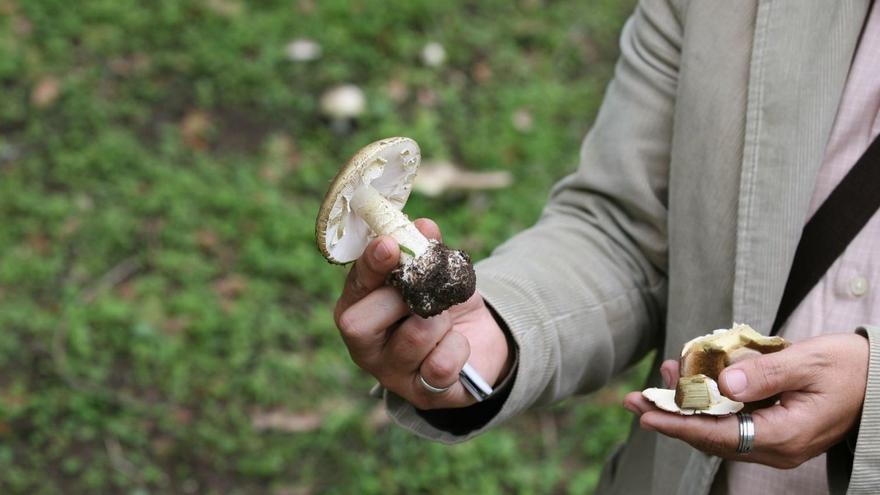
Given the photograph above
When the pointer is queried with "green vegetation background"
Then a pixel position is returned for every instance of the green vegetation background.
(165, 319)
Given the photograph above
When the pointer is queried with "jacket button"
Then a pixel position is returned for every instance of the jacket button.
(858, 286)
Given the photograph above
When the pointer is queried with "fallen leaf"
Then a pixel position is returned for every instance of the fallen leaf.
(230, 286)
(397, 90)
(286, 421)
(292, 490)
(225, 8)
(378, 417)
(522, 120)
(427, 97)
(182, 416)
(21, 26)
(46, 91)
(195, 129)
(481, 72)
(175, 325)
(281, 156)
(39, 242)
(207, 239)
(130, 65)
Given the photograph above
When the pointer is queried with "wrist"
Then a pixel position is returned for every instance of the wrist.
(510, 349)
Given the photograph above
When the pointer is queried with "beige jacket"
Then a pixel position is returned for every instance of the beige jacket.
(683, 216)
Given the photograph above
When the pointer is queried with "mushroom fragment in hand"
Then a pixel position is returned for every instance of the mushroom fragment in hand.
(665, 400)
(702, 360)
(365, 200)
(711, 353)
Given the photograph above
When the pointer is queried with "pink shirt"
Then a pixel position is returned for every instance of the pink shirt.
(849, 294)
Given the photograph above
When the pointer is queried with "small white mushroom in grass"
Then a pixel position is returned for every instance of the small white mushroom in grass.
(303, 50)
(365, 200)
(433, 54)
(342, 105)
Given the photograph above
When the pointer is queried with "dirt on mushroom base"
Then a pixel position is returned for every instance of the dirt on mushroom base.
(435, 281)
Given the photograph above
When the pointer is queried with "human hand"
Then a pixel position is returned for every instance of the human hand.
(396, 347)
(822, 385)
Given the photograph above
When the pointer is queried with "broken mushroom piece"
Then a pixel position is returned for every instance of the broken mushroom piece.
(665, 400)
(365, 200)
(711, 353)
(702, 360)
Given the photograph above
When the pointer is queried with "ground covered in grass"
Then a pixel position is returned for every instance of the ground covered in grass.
(165, 319)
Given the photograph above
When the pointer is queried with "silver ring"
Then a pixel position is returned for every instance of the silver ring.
(746, 433)
(431, 388)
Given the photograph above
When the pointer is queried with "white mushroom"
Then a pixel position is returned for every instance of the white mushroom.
(302, 50)
(342, 104)
(365, 200)
(433, 54)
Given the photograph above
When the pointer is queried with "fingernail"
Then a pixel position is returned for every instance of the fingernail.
(736, 381)
(382, 252)
(630, 409)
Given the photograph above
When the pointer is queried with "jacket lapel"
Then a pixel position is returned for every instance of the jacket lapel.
(800, 60)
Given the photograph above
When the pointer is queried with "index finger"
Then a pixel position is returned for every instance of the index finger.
(372, 268)
(369, 272)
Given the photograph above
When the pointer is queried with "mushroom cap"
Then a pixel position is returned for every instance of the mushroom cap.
(665, 400)
(388, 165)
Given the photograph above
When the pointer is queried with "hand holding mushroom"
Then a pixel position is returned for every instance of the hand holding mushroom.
(821, 387)
(361, 219)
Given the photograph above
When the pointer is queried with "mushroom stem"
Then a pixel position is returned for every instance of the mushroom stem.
(384, 219)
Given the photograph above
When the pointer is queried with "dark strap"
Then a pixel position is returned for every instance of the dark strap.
(837, 222)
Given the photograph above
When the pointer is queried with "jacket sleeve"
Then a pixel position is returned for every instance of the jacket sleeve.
(583, 291)
(865, 476)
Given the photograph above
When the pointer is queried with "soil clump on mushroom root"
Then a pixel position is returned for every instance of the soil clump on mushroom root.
(435, 281)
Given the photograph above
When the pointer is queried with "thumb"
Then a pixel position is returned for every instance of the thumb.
(766, 375)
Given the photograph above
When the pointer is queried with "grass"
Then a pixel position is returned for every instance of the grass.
(165, 319)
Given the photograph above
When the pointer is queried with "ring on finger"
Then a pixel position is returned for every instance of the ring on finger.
(746, 433)
(430, 388)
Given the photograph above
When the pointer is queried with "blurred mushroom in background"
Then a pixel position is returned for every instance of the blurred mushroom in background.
(436, 177)
(303, 50)
(342, 105)
(433, 54)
